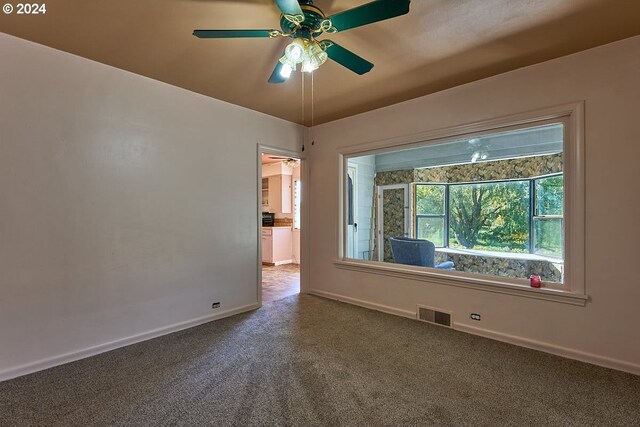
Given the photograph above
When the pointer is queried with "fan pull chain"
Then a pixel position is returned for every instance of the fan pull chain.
(303, 108)
(313, 142)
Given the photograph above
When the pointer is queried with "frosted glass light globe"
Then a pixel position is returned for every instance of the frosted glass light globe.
(314, 57)
(285, 71)
(295, 51)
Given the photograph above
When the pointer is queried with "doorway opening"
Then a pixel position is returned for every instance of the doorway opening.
(280, 189)
(393, 216)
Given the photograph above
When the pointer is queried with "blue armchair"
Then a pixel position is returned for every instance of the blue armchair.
(416, 252)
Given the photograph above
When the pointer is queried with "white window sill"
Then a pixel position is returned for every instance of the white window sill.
(464, 280)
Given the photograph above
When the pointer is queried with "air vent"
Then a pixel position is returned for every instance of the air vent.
(434, 316)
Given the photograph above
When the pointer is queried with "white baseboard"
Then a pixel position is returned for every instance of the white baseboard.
(50, 362)
(569, 353)
(282, 262)
(365, 304)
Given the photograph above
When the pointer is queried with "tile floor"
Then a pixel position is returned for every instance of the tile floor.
(280, 281)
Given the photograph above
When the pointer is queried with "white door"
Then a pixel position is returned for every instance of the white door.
(352, 215)
(393, 217)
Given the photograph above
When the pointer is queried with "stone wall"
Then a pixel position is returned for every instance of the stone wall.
(393, 218)
(395, 177)
(526, 167)
(503, 267)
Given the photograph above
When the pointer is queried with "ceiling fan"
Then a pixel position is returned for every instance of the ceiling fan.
(287, 161)
(302, 21)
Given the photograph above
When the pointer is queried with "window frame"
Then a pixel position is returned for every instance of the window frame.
(497, 181)
(444, 216)
(532, 216)
(535, 216)
(572, 117)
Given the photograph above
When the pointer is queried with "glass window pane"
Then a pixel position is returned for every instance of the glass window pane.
(550, 196)
(431, 229)
(349, 200)
(429, 199)
(549, 236)
(490, 216)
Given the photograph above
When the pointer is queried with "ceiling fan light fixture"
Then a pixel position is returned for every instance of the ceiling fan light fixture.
(307, 67)
(314, 57)
(295, 51)
(285, 70)
(479, 155)
(292, 163)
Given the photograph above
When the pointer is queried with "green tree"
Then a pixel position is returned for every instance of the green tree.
(550, 195)
(468, 214)
(510, 225)
(494, 214)
(430, 199)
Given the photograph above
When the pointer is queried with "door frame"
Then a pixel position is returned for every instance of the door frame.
(304, 214)
(380, 211)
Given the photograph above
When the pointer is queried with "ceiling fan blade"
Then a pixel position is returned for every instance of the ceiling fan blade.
(375, 11)
(289, 7)
(276, 77)
(230, 34)
(348, 59)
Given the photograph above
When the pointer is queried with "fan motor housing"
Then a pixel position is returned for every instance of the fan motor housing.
(313, 17)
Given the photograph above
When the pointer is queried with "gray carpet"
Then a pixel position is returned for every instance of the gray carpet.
(305, 360)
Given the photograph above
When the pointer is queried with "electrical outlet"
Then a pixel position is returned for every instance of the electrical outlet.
(215, 305)
(475, 316)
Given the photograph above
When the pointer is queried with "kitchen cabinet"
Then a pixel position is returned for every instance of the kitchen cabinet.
(276, 194)
(277, 245)
(267, 246)
(265, 194)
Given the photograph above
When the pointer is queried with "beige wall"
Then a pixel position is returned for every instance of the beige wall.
(607, 329)
(128, 206)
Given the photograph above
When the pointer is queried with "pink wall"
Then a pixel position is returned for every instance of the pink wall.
(607, 330)
(128, 206)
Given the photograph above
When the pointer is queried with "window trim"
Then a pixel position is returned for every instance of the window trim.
(535, 216)
(572, 116)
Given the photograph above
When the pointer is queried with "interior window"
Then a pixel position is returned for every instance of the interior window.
(490, 204)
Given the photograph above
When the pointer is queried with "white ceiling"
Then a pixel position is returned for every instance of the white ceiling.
(523, 143)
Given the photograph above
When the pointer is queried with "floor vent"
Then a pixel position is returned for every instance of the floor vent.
(431, 315)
